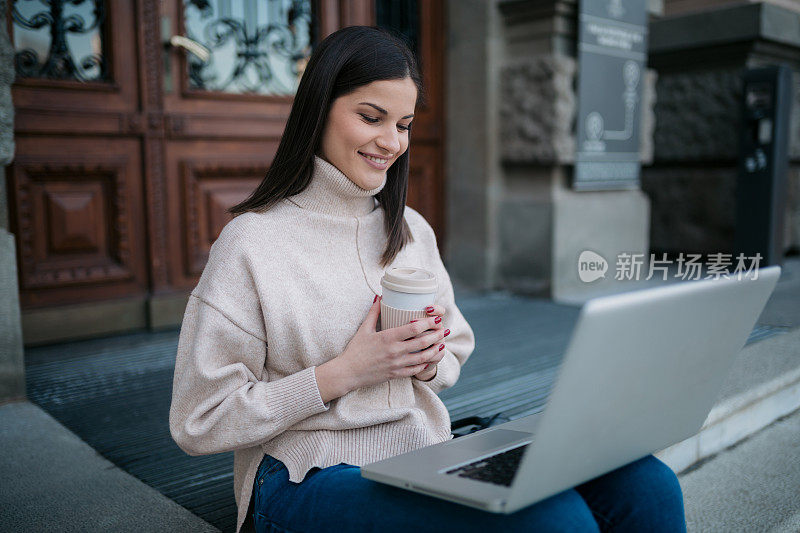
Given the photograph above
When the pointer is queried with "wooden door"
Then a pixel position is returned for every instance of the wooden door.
(75, 188)
(130, 150)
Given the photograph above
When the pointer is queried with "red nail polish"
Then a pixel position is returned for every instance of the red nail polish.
(438, 319)
(441, 347)
(446, 332)
(426, 366)
(429, 309)
(414, 320)
(375, 299)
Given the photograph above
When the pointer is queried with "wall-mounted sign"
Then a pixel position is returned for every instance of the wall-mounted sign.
(612, 48)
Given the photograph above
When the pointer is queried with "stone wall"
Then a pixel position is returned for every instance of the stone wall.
(698, 116)
(538, 105)
(12, 369)
(6, 106)
(692, 183)
(692, 208)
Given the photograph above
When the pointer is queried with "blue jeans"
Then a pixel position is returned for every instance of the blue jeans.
(642, 496)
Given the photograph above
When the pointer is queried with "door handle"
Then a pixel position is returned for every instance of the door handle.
(201, 52)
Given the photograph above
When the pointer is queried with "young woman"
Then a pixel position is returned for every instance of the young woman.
(279, 355)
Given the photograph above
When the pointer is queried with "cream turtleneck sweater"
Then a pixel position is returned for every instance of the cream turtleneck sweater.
(284, 291)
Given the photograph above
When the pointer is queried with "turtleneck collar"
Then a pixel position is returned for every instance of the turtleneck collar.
(332, 193)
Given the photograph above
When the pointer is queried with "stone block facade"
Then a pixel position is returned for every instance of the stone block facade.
(692, 182)
(698, 115)
(538, 106)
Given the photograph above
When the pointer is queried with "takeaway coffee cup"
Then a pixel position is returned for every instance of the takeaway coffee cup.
(407, 291)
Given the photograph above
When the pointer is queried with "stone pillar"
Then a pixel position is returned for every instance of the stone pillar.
(692, 182)
(12, 369)
(538, 113)
(471, 166)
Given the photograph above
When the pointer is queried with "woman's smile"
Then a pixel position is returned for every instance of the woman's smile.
(375, 161)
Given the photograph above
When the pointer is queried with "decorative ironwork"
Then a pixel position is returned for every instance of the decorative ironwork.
(258, 46)
(70, 36)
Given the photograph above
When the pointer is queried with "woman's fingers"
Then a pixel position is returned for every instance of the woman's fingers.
(430, 355)
(409, 371)
(426, 339)
(415, 327)
(435, 309)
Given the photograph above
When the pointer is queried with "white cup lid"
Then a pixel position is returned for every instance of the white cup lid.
(409, 279)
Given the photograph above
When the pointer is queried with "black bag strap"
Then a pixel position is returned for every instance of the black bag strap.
(471, 424)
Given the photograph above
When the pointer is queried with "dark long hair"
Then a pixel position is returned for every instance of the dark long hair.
(342, 62)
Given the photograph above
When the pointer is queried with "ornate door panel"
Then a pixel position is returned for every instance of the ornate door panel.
(205, 178)
(79, 220)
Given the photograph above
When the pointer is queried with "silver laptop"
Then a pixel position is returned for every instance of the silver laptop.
(642, 371)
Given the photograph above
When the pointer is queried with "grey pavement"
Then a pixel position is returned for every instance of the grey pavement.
(53, 481)
(753, 486)
(783, 307)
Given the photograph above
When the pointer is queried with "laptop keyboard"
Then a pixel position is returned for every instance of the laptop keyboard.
(498, 469)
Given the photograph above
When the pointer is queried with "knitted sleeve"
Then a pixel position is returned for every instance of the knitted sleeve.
(218, 401)
(222, 399)
(461, 341)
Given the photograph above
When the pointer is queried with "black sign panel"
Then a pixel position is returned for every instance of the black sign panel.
(612, 48)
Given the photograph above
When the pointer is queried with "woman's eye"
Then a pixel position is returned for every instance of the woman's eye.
(373, 120)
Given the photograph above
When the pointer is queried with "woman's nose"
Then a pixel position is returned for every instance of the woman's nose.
(389, 141)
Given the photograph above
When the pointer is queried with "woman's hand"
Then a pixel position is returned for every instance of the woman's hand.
(373, 357)
(429, 372)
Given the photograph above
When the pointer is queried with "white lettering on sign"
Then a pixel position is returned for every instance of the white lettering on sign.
(614, 36)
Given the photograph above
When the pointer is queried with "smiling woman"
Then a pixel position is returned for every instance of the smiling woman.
(280, 357)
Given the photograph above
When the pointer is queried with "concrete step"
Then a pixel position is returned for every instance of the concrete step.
(750, 487)
(53, 481)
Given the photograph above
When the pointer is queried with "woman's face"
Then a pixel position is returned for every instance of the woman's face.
(367, 130)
